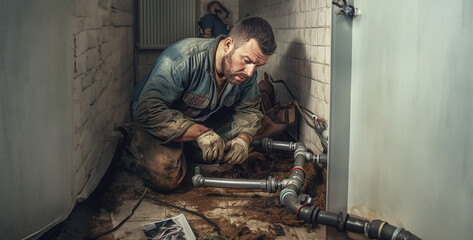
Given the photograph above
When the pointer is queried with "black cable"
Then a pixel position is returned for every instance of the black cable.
(315, 126)
(188, 211)
(338, 4)
(306, 111)
(285, 85)
(124, 220)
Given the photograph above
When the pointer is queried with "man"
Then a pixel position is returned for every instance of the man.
(216, 21)
(201, 96)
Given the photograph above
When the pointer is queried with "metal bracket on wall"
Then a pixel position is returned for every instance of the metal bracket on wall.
(346, 9)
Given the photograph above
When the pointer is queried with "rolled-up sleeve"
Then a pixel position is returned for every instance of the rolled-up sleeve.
(153, 111)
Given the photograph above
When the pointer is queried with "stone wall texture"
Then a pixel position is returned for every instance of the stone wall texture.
(302, 59)
(103, 78)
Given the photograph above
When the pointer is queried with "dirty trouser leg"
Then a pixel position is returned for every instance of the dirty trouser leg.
(161, 166)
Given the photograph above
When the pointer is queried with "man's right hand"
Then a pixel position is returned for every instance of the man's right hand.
(212, 146)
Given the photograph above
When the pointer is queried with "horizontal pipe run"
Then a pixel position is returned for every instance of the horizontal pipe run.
(270, 185)
(267, 144)
(376, 229)
(278, 145)
(357, 225)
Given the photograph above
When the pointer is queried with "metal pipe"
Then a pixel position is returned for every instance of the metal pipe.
(301, 204)
(287, 146)
(267, 144)
(316, 158)
(271, 185)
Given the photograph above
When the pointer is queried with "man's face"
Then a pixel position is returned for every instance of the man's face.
(214, 8)
(239, 64)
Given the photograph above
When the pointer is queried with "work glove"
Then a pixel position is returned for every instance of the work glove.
(212, 146)
(238, 151)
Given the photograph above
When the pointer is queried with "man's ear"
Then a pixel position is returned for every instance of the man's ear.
(228, 44)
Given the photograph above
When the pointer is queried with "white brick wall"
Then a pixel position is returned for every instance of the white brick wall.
(302, 31)
(103, 80)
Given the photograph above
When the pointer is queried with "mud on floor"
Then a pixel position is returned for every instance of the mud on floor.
(237, 212)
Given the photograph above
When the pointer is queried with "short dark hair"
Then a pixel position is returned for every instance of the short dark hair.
(212, 3)
(254, 28)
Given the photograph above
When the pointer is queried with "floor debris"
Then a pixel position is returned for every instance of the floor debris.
(240, 214)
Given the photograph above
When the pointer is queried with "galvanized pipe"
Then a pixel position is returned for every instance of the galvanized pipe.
(271, 185)
(267, 144)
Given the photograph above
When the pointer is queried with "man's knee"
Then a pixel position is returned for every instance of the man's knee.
(162, 175)
(162, 166)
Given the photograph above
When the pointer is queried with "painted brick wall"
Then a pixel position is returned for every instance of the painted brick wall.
(103, 77)
(302, 31)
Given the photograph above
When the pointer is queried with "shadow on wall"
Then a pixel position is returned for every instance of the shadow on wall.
(290, 63)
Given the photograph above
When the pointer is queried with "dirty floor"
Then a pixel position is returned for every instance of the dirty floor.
(239, 213)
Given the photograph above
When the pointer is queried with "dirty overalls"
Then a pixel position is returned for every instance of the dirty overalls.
(180, 90)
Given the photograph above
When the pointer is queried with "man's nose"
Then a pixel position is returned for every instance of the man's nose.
(250, 69)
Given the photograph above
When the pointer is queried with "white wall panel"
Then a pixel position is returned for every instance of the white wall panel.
(411, 137)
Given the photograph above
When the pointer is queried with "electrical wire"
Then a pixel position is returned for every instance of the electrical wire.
(285, 85)
(144, 194)
(188, 211)
(307, 114)
(124, 220)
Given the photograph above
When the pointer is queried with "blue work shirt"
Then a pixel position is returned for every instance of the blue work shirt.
(181, 90)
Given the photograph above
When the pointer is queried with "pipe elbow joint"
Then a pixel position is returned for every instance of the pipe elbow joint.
(198, 180)
(284, 193)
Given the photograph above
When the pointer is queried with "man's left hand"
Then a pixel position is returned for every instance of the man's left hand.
(238, 151)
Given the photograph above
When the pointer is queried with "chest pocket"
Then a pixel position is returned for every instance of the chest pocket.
(230, 100)
(194, 104)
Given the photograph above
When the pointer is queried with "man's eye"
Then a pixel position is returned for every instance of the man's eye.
(247, 61)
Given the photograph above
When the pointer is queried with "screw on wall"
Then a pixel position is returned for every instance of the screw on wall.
(346, 9)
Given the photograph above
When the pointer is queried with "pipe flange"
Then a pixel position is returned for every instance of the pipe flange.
(342, 221)
(272, 184)
(314, 216)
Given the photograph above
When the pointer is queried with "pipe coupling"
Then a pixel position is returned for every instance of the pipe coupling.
(272, 185)
(285, 192)
(292, 146)
(266, 144)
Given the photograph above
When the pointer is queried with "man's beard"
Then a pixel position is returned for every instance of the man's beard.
(227, 72)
